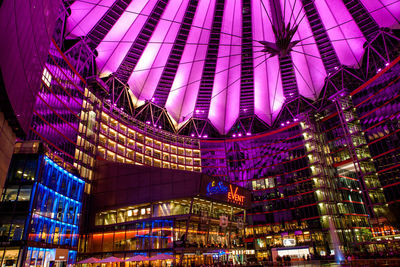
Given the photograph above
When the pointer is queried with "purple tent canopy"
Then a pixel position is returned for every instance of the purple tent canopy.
(89, 260)
(110, 259)
(162, 257)
(138, 258)
(176, 74)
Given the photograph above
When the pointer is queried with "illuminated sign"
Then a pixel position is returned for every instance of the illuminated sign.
(290, 242)
(226, 192)
(233, 196)
(214, 188)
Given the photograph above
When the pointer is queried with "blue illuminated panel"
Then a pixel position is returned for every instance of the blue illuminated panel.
(58, 206)
(40, 210)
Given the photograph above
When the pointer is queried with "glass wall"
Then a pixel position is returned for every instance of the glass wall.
(146, 235)
(143, 228)
(41, 203)
(58, 104)
(58, 207)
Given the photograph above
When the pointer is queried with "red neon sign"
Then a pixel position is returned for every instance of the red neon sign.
(234, 196)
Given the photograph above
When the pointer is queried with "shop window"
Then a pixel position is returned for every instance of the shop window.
(108, 241)
(18, 170)
(17, 229)
(142, 211)
(110, 218)
(121, 217)
(25, 193)
(67, 237)
(11, 194)
(56, 238)
(10, 257)
(95, 242)
(135, 212)
(5, 224)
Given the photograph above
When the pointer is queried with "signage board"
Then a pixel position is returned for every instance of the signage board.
(215, 188)
(226, 192)
(234, 196)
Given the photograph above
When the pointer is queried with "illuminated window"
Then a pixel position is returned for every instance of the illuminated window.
(46, 77)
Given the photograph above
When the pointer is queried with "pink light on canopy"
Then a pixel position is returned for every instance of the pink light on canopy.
(385, 12)
(110, 259)
(224, 108)
(221, 88)
(268, 92)
(182, 98)
(138, 258)
(145, 77)
(308, 66)
(162, 257)
(343, 32)
(113, 49)
(89, 260)
(85, 15)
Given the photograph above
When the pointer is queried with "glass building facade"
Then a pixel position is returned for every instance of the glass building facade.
(40, 211)
(189, 215)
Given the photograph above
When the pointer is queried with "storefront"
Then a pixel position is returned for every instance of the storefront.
(295, 253)
(197, 219)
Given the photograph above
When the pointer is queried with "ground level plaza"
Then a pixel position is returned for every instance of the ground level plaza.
(194, 262)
